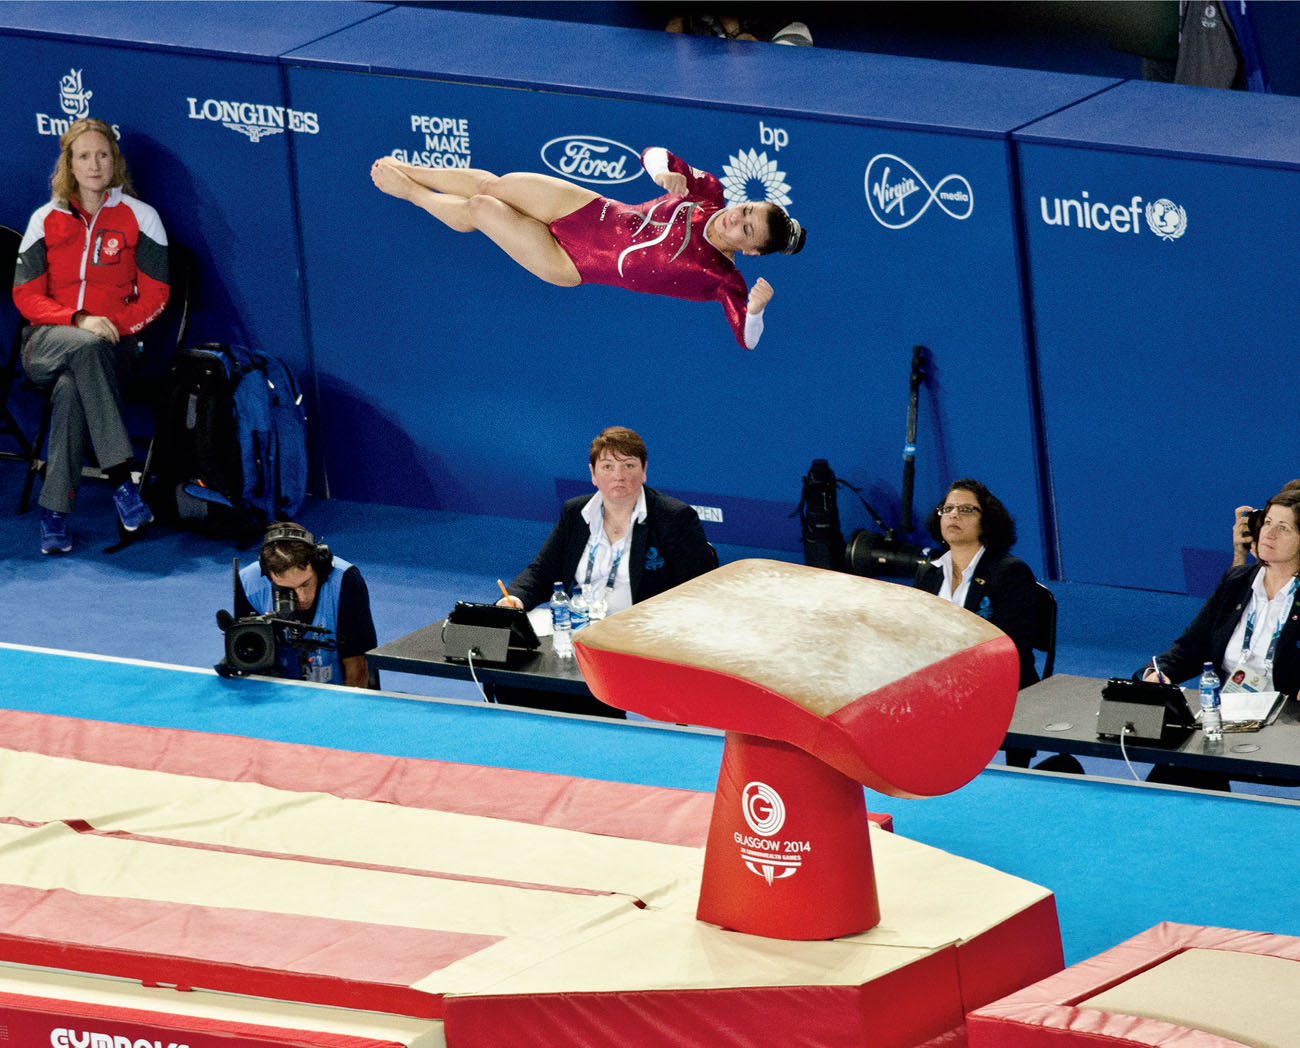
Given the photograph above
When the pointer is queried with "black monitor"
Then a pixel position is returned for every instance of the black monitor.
(488, 633)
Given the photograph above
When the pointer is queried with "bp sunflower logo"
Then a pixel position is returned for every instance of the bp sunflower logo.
(750, 178)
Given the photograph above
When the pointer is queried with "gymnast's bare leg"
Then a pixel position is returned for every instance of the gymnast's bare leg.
(514, 210)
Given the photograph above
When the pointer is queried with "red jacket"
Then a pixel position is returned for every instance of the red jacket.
(113, 264)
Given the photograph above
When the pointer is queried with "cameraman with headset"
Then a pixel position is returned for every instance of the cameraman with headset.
(318, 589)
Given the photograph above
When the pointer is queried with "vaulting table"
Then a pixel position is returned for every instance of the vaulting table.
(824, 682)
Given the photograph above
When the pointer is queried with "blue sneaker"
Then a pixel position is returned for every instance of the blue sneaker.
(131, 509)
(54, 532)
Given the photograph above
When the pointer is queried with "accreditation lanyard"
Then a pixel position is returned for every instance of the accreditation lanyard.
(618, 554)
(1277, 632)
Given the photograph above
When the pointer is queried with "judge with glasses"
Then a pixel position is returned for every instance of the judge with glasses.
(976, 569)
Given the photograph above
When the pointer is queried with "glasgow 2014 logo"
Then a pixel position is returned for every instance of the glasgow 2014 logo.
(763, 854)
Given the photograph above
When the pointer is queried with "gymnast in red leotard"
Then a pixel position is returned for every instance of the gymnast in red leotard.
(681, 244)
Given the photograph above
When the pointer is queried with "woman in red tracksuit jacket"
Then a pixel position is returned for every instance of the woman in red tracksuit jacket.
(91, 273)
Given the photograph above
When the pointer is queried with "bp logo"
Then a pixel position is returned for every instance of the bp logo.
(1166, 219)
(763, 853)
(750, 178)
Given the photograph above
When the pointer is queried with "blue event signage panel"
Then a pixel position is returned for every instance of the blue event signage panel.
(817, 83)
(251, 29)
(1166, 297)
(222, 187)
(456, 380)
(196, 96)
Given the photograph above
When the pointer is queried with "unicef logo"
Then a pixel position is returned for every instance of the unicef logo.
(891, 184)
(763, 808)
(1166, 219)
(588, 158)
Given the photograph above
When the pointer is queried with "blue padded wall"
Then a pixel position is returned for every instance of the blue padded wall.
(461, 382)
(1166, 361)
(449, 378)
(166, 76)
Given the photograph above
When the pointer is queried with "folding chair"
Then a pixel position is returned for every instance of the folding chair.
(1045, 629)
(10, 240)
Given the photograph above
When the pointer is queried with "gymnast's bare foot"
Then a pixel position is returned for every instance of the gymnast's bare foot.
(387, 175)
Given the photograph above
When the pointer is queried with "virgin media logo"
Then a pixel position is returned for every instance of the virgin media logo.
(897, 194)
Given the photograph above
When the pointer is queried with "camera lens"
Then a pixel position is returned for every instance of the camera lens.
(249, 647)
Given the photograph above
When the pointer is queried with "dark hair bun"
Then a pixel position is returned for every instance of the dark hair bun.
(795, 235)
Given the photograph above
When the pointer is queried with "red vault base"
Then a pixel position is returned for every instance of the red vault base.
(789, 855)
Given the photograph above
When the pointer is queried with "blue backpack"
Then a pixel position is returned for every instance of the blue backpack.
(231, 441)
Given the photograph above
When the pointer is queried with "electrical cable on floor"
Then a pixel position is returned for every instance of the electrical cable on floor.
(469, 657)
(1124, 753)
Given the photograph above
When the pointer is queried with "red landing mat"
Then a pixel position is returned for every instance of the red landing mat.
(487, 907)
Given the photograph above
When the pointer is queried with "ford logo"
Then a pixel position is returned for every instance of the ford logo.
(589, 158)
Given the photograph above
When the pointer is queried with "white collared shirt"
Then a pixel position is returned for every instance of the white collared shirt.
(1270, 616)
(599, 555)
(946, 591)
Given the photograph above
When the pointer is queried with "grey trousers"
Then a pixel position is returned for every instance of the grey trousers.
(85, 372)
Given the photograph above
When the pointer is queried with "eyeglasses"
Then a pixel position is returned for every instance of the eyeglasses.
(964, 510)
(1280, 526)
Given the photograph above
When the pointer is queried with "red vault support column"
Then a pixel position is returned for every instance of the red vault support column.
(789, 852)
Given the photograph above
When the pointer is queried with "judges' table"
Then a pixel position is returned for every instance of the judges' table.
(423, 652)
(1060, 714)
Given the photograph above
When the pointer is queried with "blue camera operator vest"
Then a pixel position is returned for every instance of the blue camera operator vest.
(323, 664)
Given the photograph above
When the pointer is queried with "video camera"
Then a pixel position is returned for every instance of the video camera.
(253, 642)
(884, 553)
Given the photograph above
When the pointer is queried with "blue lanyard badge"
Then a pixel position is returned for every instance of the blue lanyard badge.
(618, 555)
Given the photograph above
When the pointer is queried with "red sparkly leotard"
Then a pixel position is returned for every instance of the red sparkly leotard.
(658, 247)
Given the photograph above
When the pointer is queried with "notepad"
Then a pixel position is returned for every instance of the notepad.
(1249, 710)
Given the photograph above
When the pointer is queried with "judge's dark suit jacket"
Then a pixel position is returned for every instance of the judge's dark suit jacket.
(1004, 592)
(1206, 639)
(668, 548)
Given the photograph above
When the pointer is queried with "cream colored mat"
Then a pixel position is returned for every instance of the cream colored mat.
(1247, 997)
(928, 898)
(253, 817)
(555, 941)
(118, 993)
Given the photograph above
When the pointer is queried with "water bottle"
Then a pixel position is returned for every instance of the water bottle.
(596, 609)
(579, 612)
(561, 638)
(1211, 713)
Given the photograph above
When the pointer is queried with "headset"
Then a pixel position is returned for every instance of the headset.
(322, 559)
